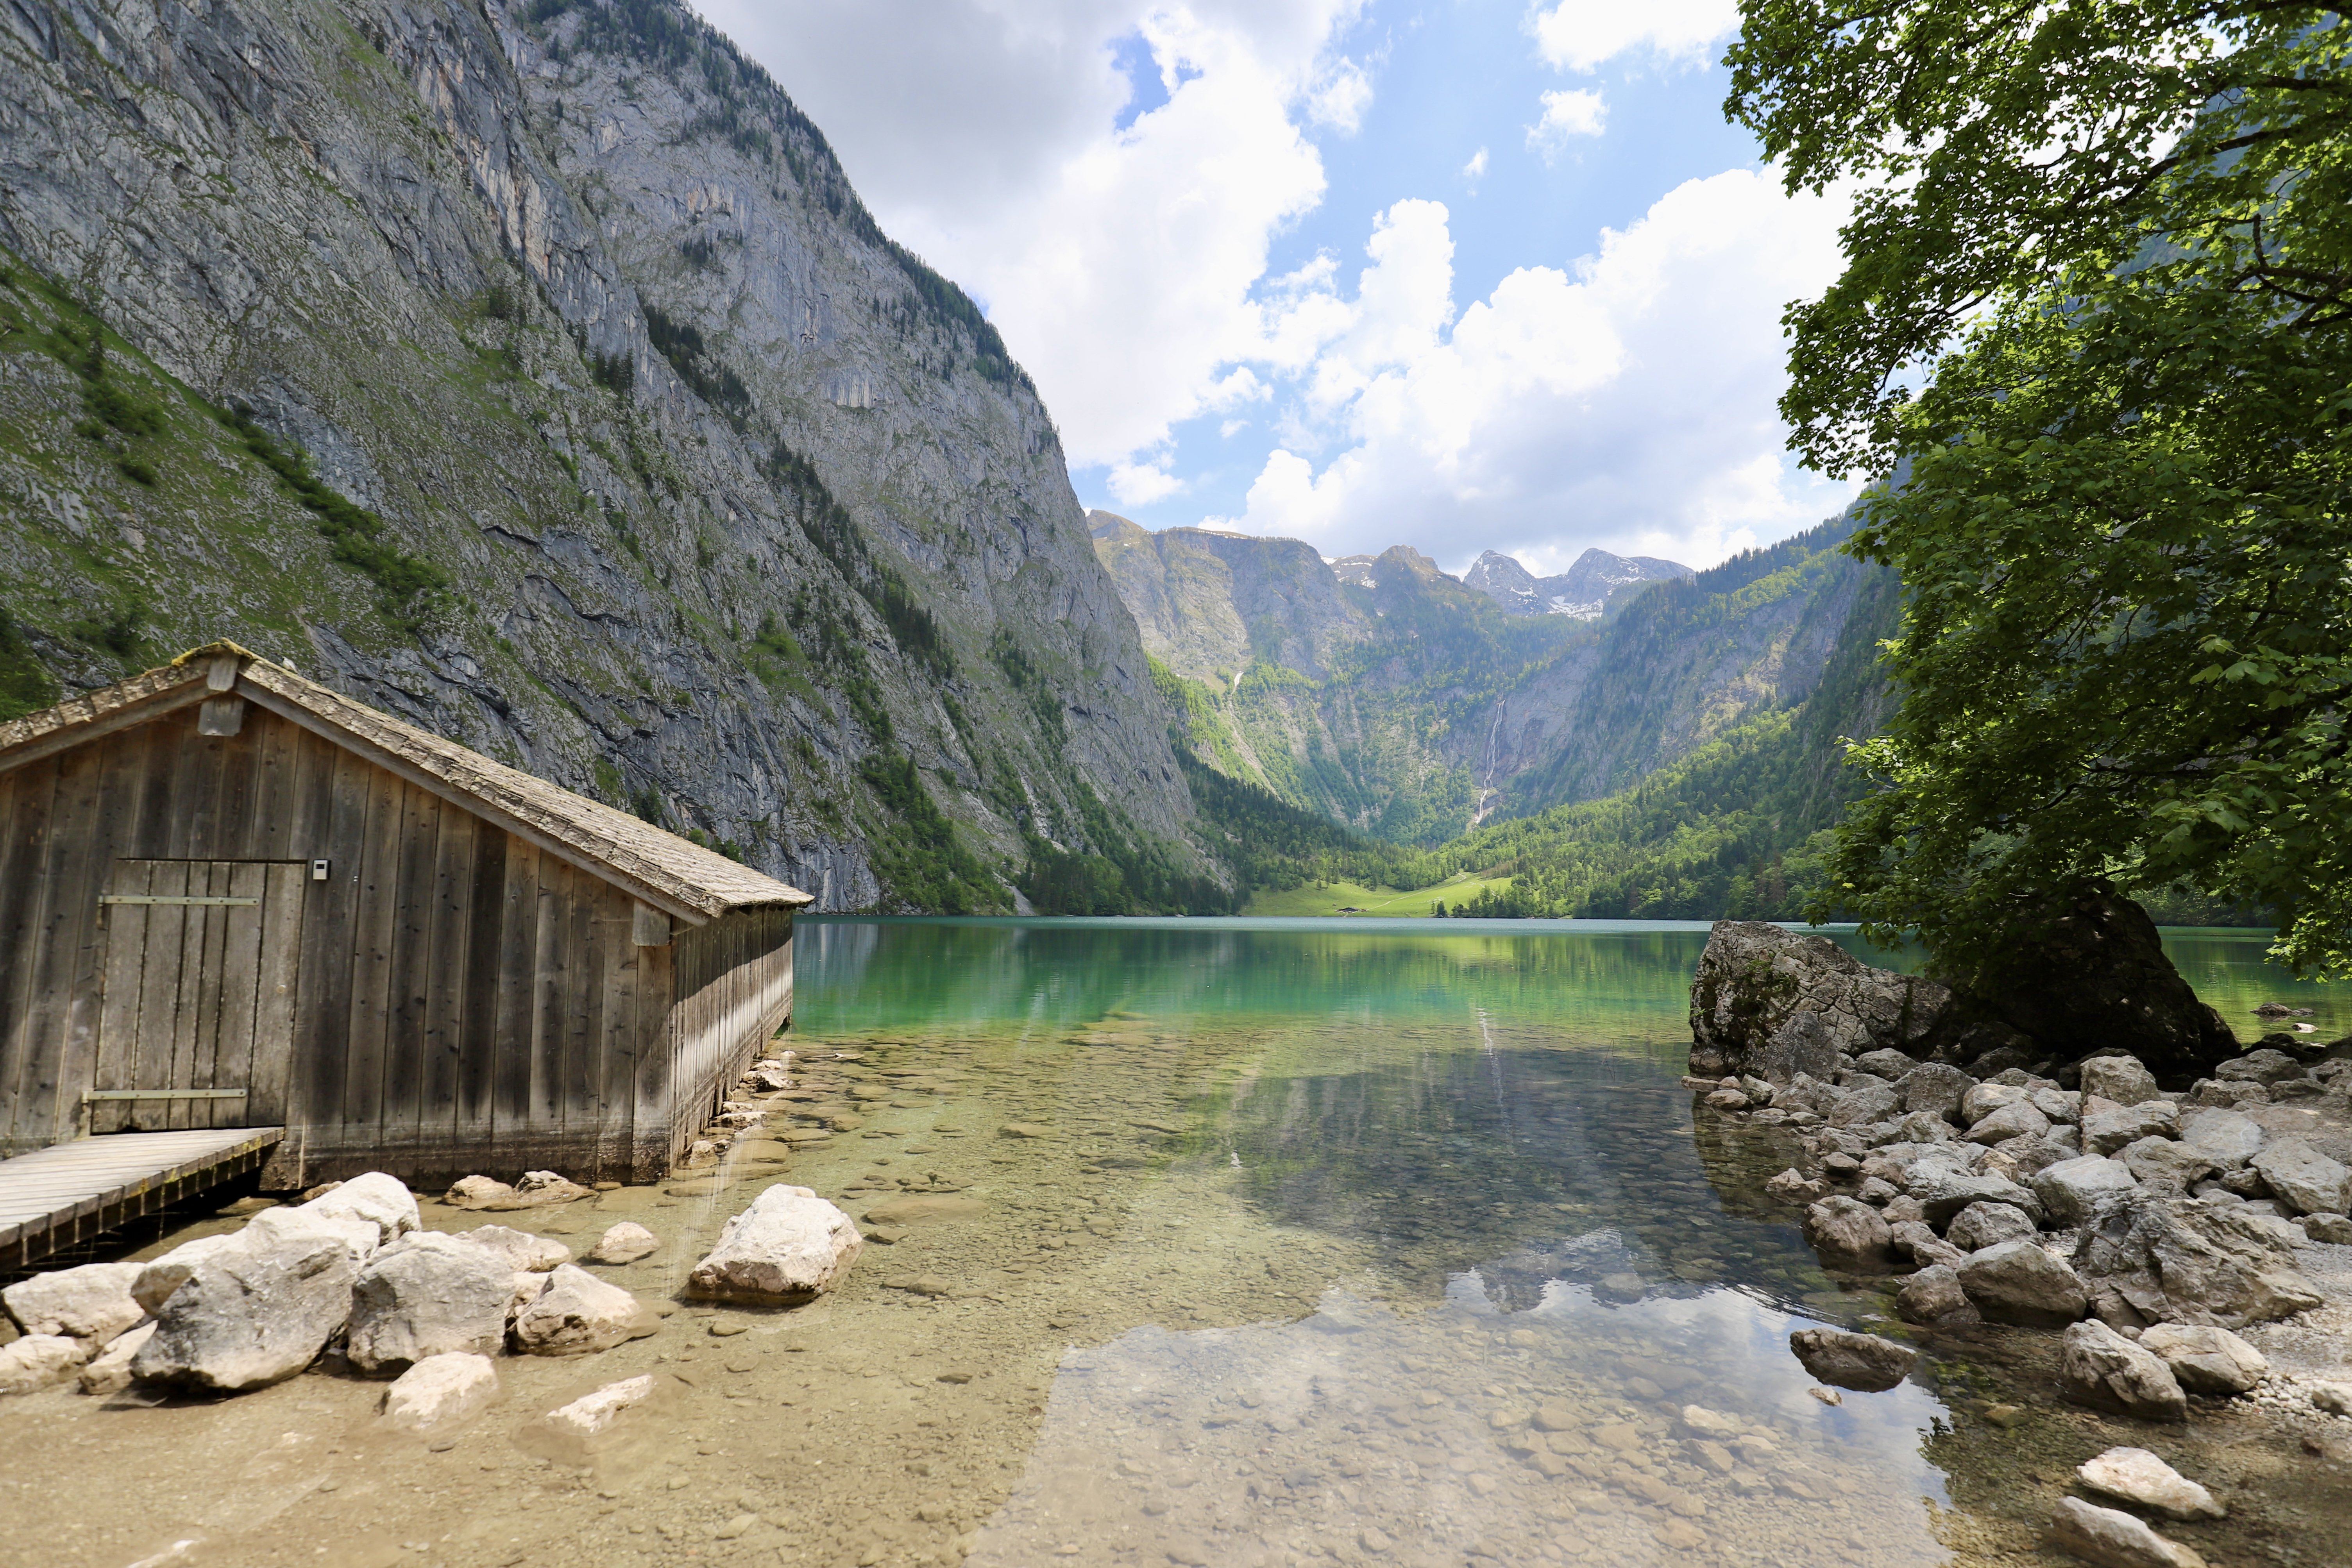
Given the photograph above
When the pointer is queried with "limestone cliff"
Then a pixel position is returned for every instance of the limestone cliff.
(532, 371)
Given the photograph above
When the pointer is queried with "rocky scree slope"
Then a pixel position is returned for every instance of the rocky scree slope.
(533, 372)
(1404, 703)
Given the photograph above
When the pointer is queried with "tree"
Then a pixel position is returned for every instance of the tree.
(2096, 320)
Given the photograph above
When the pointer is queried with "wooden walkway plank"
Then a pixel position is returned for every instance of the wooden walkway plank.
(56, 1196)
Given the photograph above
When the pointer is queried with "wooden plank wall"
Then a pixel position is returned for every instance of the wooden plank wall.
(734, 992)
(460, 1000)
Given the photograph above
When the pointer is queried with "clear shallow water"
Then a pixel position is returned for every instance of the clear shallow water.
(1195, 1241)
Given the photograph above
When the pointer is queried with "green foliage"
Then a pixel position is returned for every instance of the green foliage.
(497, 302)
(713, 380)
(2118, 242)
(617, 373)
(408, 587)
(25, 683)
(829, 527)
(920, 861)
(122, 632)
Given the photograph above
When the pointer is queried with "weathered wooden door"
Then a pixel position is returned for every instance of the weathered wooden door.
(196, 1018)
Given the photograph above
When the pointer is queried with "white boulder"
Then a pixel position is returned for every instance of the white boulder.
(2138, 1476)
(37, 1360)
(624, 1243)
(592, 1413)
(2228, 1138)
(384, 1200)
(111, 1373)
(576, 1314)
(92, 1302)
(2113, 1538)
(2206, 1358)
(429, 1295)
(519, 1250)
(789, 1246)
(440, 1389)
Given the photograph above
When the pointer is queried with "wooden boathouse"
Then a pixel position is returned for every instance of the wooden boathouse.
(233, 898)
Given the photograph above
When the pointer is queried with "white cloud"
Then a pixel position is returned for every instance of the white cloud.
(1627, 401)
(1141, 484)
(1476, 169)
(1566, 115)
(1340, 97)
(1075, 234)
(1579, 35)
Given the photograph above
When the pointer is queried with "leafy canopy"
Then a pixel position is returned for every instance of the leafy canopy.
(2095, 316)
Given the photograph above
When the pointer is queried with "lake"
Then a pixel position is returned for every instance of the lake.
(1196, 1241)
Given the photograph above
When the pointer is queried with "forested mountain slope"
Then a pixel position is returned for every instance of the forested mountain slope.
(1391, 698)
(531, 371)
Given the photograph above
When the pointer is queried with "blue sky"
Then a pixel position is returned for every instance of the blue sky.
(1247, 254)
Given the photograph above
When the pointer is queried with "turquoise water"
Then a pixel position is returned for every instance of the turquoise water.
(1259, 1243)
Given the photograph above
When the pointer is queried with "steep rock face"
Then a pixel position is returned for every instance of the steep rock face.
(1597, 582)
(742, 515)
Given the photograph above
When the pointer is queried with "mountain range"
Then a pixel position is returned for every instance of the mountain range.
(1413, 706)
(530, 369)
(1585, 592)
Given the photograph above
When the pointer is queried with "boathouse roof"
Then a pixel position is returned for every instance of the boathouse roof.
(665, 870)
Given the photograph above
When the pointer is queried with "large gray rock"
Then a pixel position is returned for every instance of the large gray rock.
(575, 1313)
(2138, 1476)
(1886, 1062)
(1980, 1101)
(2205, 1359)
(1864, 1104)
(2018, 1282)
(92, 1302)
(36, 1361)
(428, 1294)
(2099, 1367)
(789, 1246)
(2110, 1538)
(2149, 1260)
(2228, 1138)
(1935, 1296)
(1943, 1195)
(1983, 1225)
(2089, 973)
(158, 1277)
(2124, 1080)
(256, 1312)
(1772, 1003)
(2266, 1066)
(2164, 1165)
(1844, 1360)
(2109, 1129)
(2028, 1156)
(1919, 1239)
(1935, 1089)
(2072, 1189)
(2020, 1119)
(1848, 1233)
(2306, 1180)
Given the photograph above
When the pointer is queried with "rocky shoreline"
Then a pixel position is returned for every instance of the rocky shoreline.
(2142, 1215)
(350, 1277)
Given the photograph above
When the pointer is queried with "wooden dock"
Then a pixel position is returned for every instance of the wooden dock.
(67, 1193)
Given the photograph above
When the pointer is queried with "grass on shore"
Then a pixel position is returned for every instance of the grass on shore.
(1326, 899)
